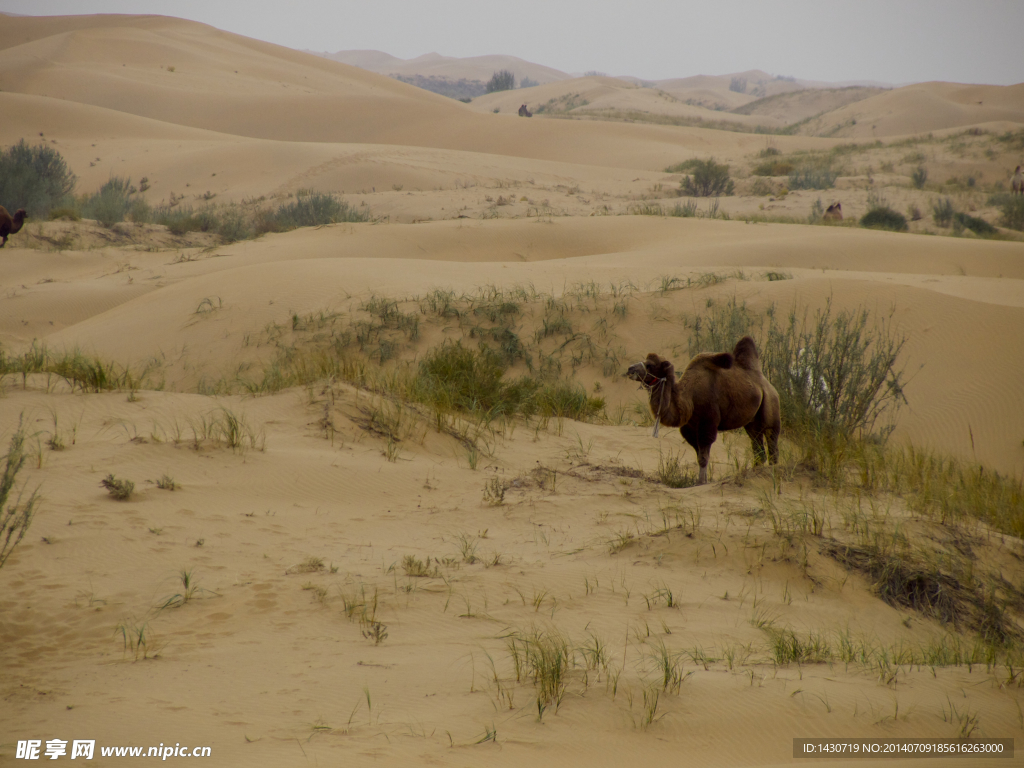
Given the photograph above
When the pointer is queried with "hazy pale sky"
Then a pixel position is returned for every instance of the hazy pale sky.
(892, 41)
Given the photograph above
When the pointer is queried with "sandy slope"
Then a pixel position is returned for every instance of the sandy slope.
(268, 661)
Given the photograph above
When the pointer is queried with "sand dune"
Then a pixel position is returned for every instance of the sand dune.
(338, 572)
(921, 108)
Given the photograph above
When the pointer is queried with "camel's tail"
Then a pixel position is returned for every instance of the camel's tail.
(746, 355)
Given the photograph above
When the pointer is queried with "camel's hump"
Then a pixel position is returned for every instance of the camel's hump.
(746, 355)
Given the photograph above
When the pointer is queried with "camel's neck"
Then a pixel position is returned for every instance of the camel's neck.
(668, 406)
(19, 219)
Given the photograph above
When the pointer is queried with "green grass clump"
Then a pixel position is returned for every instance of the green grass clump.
(919, 177)
(81, 372)
(180, 220)
(774, 167)
(1012, 208)
(976, 225)
(707, 179)
(35, 178)
(110, 205)
(315, 210)
(942, 212)
(813, 176)
(15, 517)
(118, 489)
(884, 217)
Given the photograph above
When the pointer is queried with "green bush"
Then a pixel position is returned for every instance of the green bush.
(34, 178)
(973, 223)
(180, 220)
(942, 212)
(1012, 207)
(774, 167)
(110, 205)
(504, 80)
(16, 516)
(884, 217)
(919, 176)
(234, 225)
(813, 177)
(709, 179)
(315, 210)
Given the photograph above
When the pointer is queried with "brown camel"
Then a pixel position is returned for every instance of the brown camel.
(8, 225)
(1017, 182)
(524, 112)
(834, 212)
(716, 392)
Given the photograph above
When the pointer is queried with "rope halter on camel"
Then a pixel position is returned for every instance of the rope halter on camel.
(649, 386)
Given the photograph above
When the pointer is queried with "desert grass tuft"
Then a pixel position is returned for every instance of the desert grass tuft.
(118, 489)
(15, 514)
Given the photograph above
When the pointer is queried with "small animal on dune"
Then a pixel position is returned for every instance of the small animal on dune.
(9, 225)
(834, 212)
(717, 392)
(1017, 182)
(524, 112)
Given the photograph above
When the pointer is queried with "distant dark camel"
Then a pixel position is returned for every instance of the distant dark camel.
(1017, 182)
(524, 112)
(8, 225)
(834, 212)
(716, 392)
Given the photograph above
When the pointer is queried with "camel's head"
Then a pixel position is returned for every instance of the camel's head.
(20, 215)
(652, 370)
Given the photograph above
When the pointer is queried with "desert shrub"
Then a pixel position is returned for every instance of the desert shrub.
(34, 178)
(455, 377)
(567, 399)
(316, 209)
(774, 167)
(117, 488)
(919, 176)
(16, 516)
(687, 210)
(813, 176)
(709, 179)
(942, 212)
(182, 219)
(139, 210)
(110, 205)
(738, 85)
(977, 226)
(1012, 207)
(71, 213)
(884, 217)
(504, 80)
(234, 225)
(684, 167)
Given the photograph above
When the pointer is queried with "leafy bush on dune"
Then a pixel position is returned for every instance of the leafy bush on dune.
(16, 516)
(505, 80)
(942, 212)
(978, 226)
(182, 219)
(315, 210)
(884, 217)
(1012, 207)
(110, 205)
(35, 178)
(708, 179)
(811, 176)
